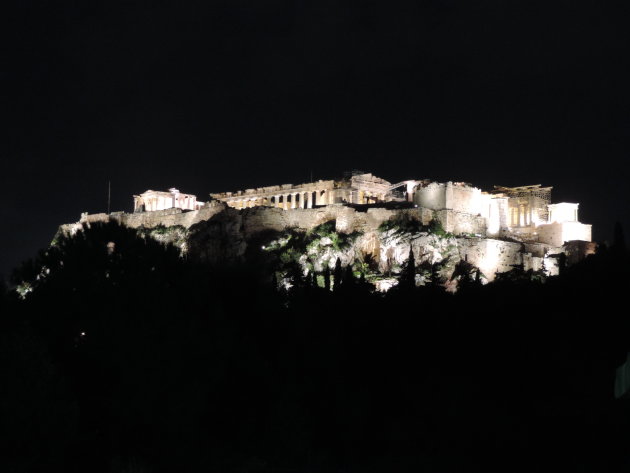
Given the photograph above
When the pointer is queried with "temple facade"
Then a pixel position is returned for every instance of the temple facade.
(157, 200)
(356, 189)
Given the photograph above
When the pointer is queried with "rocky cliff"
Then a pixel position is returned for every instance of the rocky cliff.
(375, 243)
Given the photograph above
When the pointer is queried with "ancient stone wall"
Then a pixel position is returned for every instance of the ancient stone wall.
(460, 223)
(167, 218)
(431, 196)
(464, 198)
(556, 234)
(222, 233)
(497, 256)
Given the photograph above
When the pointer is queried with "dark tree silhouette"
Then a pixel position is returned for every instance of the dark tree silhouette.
(327, 278)
(408, 276)
(337, 275)
(619, 240)
(138, 359)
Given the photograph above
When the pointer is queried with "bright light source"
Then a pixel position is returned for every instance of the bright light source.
(83, 334)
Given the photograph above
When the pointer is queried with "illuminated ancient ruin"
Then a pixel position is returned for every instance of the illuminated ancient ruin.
(495, 230)
(523, 213)
(356, 189)
(150, 201)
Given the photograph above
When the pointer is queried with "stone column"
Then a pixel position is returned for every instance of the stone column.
(285, 203)
(309, 200)
(293, 199)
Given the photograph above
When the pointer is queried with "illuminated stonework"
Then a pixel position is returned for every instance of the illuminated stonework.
(358, 188)
(520, 213)
(441, 223)
(151, 201)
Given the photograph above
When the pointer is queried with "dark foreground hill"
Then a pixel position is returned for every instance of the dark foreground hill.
(127, 358)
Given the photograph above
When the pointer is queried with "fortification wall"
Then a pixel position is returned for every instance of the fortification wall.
(556, 234)
(167, 217)
(224, 234)
(465, 199)
(258, 219)
(498, 256)
(460, 223)
(347, 219)
(432, 196)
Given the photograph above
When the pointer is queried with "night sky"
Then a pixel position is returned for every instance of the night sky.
(212, 96)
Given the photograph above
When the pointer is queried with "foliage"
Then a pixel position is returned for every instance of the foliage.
(436, 228)
(518, 275)
(141, 359)
(319, 247)
(175, 234)
(401, 224)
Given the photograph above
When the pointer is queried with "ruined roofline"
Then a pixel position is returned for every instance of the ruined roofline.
(329, 183)
(510, 190)
(321, 184)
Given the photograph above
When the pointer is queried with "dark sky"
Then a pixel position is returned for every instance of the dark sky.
(212, 96)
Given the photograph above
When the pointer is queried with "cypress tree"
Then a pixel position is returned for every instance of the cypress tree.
(337, 275)
(408, 278)
(348, 276)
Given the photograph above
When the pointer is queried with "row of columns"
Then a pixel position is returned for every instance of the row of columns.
(521, 215)
(298, 200)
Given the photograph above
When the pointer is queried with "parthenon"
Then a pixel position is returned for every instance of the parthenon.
(356, 189)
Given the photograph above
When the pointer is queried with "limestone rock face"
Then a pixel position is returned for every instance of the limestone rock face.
(373, 239)
(218, 240)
